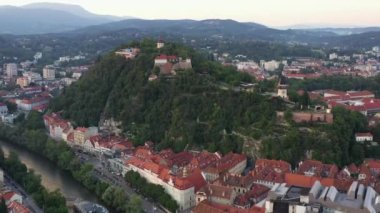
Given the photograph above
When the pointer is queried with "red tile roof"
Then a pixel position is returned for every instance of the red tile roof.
(278, 165)
(366, 173)
(343, 184)
(166, 153)
(81, 129)
(8, 195)
(54, 120)
(124, 145)
(223, 192)
(181, 159)
(299, 75)
(169, 158)
(167, 57)
(361, 94)
(40, 108)
(317, 168)
(195, 179)
(143, 153)
(271, 170)
(300, 180)
(363, 134)
(208, 207)
(16, 207)
(257, 192)
(226, 163)
(203, 160)
(332, 95)
(166, 68)
(70, 137)
(35, 100)
(111, 142)
(235, 180)
(373, 164)
(367, 104)
(352, 168)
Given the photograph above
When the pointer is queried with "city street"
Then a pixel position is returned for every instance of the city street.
(102, 172)
(27, 200)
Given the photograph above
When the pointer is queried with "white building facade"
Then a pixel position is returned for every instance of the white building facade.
(48, 73)
(185, 198)
(11, 69)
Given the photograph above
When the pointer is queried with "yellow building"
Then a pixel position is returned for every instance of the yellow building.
(22, 81)
(81, 134)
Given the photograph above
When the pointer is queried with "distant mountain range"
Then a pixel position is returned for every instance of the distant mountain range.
(340, 30)
(185, 26)
(40, 18)
(230, 30)
(43, 18)
(74, 9)
(216, 28)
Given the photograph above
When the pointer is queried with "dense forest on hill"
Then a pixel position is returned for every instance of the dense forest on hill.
(189, 109)
(200, 108)
(329, 143)
(259, 50)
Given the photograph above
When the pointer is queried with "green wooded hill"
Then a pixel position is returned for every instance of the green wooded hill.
(198, 107)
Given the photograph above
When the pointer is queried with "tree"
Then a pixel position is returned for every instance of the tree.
(54, 201)
(19, 118)
(357, 154)
(156, 71)
(156, 192)
(107, 196)
(2, 157)
(12, 107)
(134, 205)
(3, 207)
(34, 121)
(115, 198)
(288, 115)
(304, 100)
(119, 200)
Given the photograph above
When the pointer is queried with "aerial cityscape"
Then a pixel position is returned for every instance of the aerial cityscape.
(194, 107)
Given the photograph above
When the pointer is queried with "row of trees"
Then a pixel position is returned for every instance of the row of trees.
(31, 135)
(155, 192)
(50, 202)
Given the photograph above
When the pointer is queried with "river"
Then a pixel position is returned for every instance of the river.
(52, 177)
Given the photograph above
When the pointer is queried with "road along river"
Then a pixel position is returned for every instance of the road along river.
(52, 177)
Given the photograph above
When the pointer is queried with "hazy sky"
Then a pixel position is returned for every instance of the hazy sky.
(268, 12)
